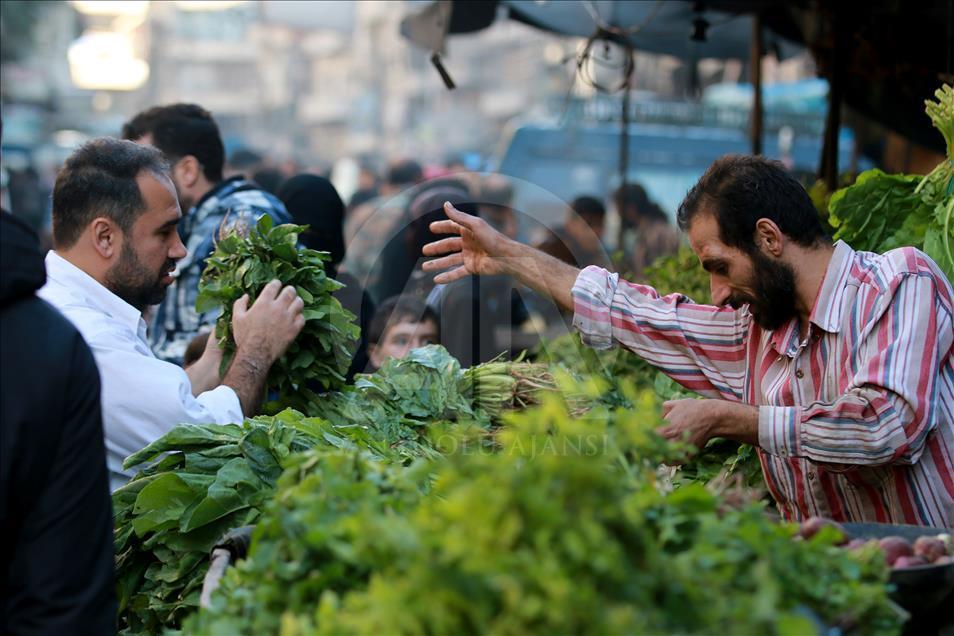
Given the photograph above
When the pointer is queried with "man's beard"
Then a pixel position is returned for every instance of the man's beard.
(772, 302)
(130, 280)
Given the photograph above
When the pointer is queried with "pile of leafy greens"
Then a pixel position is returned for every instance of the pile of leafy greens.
(883, 211)
(563, 530)
(208, 479)
(321, 353)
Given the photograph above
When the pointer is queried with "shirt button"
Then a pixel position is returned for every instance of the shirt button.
(811, 476)
(799, 374)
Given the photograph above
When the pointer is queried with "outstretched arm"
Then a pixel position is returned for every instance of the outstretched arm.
(477, 248)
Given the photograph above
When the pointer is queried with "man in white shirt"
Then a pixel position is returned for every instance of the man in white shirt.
(115, 213)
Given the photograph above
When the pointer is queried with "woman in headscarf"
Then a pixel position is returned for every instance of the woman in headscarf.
(313, 201)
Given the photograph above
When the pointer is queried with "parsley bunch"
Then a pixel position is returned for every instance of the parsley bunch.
(244, 265)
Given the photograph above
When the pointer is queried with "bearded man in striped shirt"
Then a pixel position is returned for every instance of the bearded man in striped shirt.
(838, 365)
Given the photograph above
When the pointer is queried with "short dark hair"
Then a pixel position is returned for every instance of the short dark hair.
(741, 189)
(633, 196)
(397, 309)
(99, 179)
(179, 130)
(589, 206)
(405, 172)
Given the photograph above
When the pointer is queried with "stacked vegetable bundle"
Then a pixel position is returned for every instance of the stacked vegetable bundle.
(322, 352)
(883, 211)
(563, 530)
(213, 478)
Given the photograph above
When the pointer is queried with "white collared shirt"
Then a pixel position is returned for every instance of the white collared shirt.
(143, 397)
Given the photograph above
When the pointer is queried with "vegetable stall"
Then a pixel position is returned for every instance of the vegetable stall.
(511, 497)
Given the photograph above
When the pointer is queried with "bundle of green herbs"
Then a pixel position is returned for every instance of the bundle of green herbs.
(321, 354)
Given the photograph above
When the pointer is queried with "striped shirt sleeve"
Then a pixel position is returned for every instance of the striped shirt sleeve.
(699, 346)
(888, 410)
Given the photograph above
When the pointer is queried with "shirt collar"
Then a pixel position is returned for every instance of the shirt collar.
(66, 273)
(829, 304)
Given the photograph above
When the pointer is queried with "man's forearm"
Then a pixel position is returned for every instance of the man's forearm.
(246, 376)
(204, 375)
(541, 272)
(737, 421)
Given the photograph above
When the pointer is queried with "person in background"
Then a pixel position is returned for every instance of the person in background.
(476, 312)
(647, 233)
(56, 518)
(396, 271)
(242, 162)
(115, 214)
(577, 242)
(400, 324)
(369, 227)
(196, 348)
(367, 187)
(189, 138)
(495, 204)
(270, 179)
(313, 201)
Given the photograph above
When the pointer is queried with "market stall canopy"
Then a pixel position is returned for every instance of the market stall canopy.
(889, 56)
(687, 30)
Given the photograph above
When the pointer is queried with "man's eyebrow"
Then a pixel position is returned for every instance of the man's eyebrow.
(170, 223)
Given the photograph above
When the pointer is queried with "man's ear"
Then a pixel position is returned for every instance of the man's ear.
(187, 171)
(105, 236)
(768, 237)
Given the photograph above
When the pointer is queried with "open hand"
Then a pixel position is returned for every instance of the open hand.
(477, 249)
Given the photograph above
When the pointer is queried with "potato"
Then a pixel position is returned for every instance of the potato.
(895, 548)
(929, 548)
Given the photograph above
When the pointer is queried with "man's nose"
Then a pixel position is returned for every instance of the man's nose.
(719, 291)
(178, 249)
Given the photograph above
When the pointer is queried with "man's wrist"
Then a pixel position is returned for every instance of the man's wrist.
(250, 361)
(735, 420)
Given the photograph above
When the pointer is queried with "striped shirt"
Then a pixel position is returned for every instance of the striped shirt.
(856, 420)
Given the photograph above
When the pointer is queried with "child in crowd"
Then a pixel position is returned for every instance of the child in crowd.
(401, 323)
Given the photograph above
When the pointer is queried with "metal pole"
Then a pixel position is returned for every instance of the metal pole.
(829, 160)
(755, 72)
(623, 154)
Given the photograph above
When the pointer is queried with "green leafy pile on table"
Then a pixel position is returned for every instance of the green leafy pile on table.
(564, 530)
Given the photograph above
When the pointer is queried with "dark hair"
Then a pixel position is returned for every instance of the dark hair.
(179, 130)
(398, 309)
(427, 206)
(99, 179)
(313, 201)
(633, 196)
(405, 172)
(589, 207)
(740, 190)
(195, 348)
(245, 159)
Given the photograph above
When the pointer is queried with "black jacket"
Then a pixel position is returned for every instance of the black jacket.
(55, 509)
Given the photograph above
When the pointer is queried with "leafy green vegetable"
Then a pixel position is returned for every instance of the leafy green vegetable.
(214, 478)
(880, 211)
(563, 530)
(322, 352)
(875, 211)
